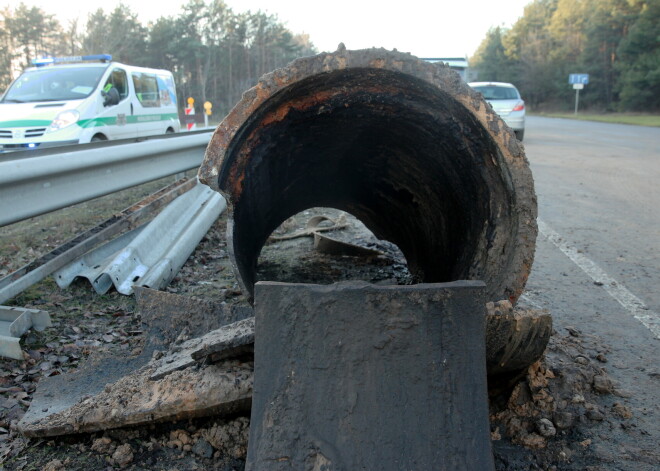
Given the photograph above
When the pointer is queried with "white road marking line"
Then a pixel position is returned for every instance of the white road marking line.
(629, 301)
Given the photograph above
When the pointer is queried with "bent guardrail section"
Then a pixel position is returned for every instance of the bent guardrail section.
(153, 254)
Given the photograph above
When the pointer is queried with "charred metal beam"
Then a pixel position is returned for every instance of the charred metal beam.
(402, 144)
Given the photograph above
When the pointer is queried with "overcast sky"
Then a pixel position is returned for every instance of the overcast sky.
(424, 28)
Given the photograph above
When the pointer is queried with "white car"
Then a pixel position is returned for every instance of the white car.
(506, 102)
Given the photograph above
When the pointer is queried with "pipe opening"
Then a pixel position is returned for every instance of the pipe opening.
(403, 145)
(403, 156)
(342, 249)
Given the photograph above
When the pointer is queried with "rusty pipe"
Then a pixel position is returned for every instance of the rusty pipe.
(404, 145)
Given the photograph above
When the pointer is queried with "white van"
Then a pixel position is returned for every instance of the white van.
(75, 100)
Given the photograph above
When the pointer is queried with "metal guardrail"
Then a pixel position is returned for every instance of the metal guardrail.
(153, 254)
(58, 178)
(118, 223)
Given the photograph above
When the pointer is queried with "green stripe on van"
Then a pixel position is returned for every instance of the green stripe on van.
(90, 123)
(25, 123)
(145, 118)
(112, 120)
(95, 122)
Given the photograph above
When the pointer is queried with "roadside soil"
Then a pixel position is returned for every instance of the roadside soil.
(563, 413)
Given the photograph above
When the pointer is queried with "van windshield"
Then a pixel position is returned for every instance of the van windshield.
(54, 84)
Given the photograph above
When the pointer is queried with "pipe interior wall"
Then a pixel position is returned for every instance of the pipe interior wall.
(399, 152)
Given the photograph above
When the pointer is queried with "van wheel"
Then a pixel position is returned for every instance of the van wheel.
(99, 138)
(169, 131)
(520, 134)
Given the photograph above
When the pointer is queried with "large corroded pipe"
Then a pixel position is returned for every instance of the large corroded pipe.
(404, 145)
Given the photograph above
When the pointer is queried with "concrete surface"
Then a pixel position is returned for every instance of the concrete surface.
(597, 261)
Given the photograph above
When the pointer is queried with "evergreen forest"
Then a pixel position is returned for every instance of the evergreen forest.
(216, 54)
(616, 42)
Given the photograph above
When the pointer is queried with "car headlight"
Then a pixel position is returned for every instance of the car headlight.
(63, 119)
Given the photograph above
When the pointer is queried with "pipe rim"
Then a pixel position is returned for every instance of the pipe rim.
(220, 171)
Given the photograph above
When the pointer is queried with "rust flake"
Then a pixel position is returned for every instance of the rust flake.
(236, 179)
(298, 104)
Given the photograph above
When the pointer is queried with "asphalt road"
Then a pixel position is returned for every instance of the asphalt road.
(597, 264)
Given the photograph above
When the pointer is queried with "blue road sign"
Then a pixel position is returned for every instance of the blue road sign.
(578, 78)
